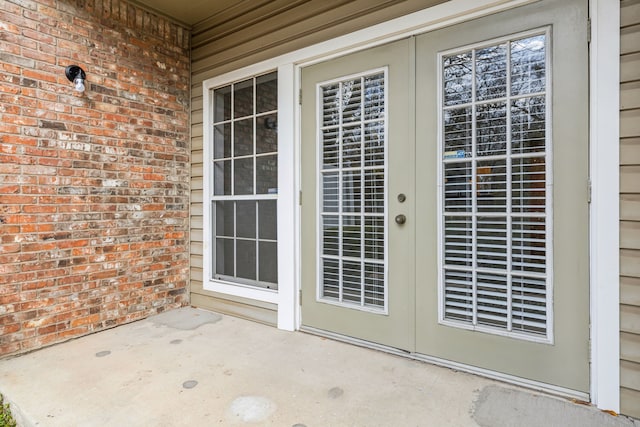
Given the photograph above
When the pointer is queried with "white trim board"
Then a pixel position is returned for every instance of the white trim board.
(604, 167)
(605, 201)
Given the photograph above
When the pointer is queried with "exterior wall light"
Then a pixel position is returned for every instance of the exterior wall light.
(76, 75)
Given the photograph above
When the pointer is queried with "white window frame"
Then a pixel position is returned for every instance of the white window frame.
(548, 215)
(604, 167)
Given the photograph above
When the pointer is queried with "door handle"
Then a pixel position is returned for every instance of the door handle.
(401, 219)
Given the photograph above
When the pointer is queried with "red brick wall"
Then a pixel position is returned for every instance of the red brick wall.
(94, 186)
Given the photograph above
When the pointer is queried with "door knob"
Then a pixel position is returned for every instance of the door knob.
(401, 219)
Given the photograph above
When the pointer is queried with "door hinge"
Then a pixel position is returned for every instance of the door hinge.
(589, 30)
(300, 296)
(588, 191)
(300, 197)
(300, 96)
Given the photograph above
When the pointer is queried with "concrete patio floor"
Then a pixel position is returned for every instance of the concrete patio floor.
(190, 367)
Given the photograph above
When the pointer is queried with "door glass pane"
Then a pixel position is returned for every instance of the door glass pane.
(528, 65)
(491, 72)
(494, 182)
(457, 79)
(353, 191)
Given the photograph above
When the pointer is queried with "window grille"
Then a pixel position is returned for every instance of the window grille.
(495, 191)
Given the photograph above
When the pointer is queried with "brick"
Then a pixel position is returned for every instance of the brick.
(93, 235)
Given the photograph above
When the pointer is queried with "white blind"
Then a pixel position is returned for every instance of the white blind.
(495, 188)
(352, 181)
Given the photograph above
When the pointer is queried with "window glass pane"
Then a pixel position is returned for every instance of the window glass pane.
(224, 219)
(330, 192)
(222, 141)
(268, 269)
(457, 77)
(267, 174)
(267, 134)
(224, 257)
(246, 259)
(267, 219)
(528, 65)
(243, 137)
(243, 99)
(222, 177)
(244, 163)
(491, 72)
(222, 104)
(243, 176)
(246, 219)
(267, 93)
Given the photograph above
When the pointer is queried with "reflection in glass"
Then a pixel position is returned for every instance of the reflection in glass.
(243, 99)
(246, 219)
(243, 176)
(267, 174)
(243, 137)
(222, 141)
(267, 93)
(267, 134)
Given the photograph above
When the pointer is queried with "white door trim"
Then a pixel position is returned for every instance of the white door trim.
(605, 201)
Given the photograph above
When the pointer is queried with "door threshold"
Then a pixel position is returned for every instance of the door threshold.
(498, 376)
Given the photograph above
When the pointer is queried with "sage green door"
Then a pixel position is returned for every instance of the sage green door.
(487, 140)
(357, 156)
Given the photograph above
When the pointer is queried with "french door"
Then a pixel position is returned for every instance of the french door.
(444, 182)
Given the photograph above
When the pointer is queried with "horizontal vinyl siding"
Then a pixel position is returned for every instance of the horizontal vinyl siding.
(242, 35)
(630, 207)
